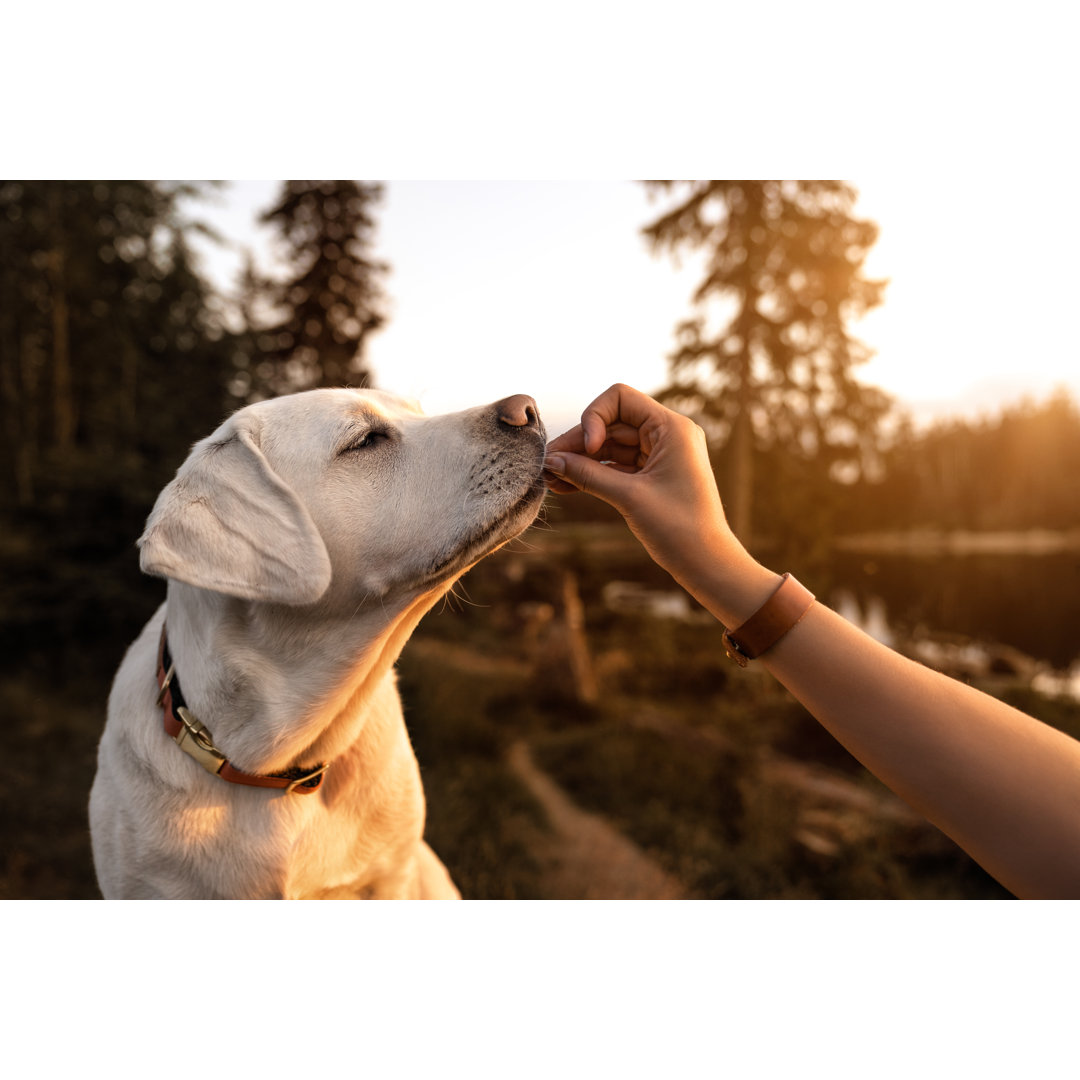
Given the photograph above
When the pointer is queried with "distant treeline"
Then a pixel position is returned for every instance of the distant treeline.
(1018, 470)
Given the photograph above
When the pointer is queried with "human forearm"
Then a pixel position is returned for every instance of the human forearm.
(1001, 784)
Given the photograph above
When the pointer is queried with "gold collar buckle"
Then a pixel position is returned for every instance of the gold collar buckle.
(195, 740)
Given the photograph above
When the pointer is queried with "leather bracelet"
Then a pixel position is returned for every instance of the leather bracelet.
(769, 623)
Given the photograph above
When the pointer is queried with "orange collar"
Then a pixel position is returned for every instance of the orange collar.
(193, 737)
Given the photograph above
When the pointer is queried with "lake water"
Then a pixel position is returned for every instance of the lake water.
(1028, 602)
(985, 597)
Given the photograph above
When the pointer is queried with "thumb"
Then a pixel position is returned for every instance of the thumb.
(589, 476)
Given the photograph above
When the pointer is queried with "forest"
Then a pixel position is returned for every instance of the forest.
(116, 352)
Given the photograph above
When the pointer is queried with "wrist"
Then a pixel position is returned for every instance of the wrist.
(726, 580)
(784, 609)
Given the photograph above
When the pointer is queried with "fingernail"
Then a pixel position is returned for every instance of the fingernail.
(555, 463)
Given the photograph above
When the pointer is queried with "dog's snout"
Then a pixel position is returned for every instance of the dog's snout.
(518, 411)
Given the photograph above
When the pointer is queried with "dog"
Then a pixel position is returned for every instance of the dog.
(254, 746)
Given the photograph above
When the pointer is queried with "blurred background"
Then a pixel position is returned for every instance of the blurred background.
(889, 382)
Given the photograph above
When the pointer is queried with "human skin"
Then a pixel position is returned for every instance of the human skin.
(1003, 785)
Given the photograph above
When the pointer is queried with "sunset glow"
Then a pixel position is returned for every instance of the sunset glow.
(978, 311)
(548, 288)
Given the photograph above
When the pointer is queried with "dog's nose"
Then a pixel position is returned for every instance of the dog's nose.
(519, 411)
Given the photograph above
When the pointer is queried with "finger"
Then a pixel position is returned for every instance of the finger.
(623, 433)
(572, 440)
(555, 484)
(622, 444)
(617, 403)
(604, 481)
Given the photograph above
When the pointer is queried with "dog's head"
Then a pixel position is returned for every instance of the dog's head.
(354, 491)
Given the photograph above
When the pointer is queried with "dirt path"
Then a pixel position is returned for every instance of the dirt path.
(587, 859)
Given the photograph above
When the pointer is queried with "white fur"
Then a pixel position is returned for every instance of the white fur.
(299, 562)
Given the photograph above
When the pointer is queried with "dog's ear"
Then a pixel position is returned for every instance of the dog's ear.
(228, 522)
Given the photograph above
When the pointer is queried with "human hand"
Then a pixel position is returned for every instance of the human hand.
(652, 465)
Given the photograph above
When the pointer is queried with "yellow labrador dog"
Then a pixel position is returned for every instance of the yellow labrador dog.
(255, 746)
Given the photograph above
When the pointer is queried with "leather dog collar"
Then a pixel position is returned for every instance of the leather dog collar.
(193, 737)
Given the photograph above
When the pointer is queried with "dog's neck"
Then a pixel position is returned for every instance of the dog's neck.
(285, 687)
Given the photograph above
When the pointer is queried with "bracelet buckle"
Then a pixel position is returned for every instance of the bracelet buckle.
(733, 651)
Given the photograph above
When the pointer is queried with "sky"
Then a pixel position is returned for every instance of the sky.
(548, 288)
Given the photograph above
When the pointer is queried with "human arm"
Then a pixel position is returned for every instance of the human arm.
(1003, 785)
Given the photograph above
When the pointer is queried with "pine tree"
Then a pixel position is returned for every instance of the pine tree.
(327, 309)
(110, 349)
(784, 262)
(113, 359)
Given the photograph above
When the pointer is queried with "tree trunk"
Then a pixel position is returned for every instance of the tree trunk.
(577, 645)
(63, 400)
(130, 391)
(32, 360)
(19, 392)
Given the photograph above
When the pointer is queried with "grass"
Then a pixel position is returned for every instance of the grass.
(46, 769)
(482, 822)
(705, 815)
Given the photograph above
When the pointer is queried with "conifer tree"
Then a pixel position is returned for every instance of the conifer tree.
(113, 358)
(327, 308)
(111, 353)
(770, 365)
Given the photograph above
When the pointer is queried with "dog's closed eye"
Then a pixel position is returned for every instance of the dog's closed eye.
(369, 440)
